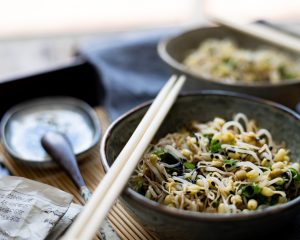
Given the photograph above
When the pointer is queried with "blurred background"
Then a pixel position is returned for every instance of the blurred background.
(36, 35)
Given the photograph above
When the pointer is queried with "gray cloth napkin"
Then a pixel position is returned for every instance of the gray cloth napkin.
(130, 68)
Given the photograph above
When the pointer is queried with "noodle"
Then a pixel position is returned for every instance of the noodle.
(225, 61)
(218, 167)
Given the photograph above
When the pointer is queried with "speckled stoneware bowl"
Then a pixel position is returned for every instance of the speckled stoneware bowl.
(169, 223)
(173, 50)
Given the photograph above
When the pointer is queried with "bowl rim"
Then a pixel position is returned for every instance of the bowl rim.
(169, 60)
(189, 215)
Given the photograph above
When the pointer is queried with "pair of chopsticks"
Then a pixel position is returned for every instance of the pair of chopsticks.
(262, 32)
(104, 196)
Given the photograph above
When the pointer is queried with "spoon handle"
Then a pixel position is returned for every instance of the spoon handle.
(85, 193)
(59, 148)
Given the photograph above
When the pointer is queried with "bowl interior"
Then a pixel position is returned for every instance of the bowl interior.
(281, 122)
(181, 45)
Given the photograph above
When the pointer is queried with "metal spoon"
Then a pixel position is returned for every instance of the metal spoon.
(59, 148)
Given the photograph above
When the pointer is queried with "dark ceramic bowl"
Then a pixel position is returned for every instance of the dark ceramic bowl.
(169, 223)
(175, 49)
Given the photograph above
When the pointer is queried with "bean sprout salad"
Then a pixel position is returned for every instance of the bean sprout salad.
(218, 167)
(225, 61)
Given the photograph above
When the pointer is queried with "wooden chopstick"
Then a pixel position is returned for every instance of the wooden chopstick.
(120, 163)
(262, 32)
(123, 176)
